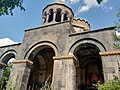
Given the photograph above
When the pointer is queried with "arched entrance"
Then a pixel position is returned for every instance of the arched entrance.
(42, 68)
(88, 66)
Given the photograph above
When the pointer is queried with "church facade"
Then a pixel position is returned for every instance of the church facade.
(63, 52)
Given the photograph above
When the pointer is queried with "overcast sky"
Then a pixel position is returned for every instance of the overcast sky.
(99, 16)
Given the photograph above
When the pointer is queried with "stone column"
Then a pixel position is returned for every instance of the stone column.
(62, 16)
(110, 62)
(19, 75)
(54, 15)
(64, 73)
(105, 73)
(43, 19)
(47, 18)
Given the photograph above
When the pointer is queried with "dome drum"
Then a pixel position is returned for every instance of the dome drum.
(56, 12)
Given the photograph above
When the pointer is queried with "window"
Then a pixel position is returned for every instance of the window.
(58, 15)
(50, 16)
(65, 16)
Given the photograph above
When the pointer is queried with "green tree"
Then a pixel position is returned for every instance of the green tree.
(116, 37)
(7, 6)
(5, 76)
(117, 23)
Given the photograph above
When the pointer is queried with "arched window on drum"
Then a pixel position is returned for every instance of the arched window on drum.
(58, 15)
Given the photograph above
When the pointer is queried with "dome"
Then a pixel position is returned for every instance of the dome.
(58, 11)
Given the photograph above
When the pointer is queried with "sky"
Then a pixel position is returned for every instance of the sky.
(98, 16)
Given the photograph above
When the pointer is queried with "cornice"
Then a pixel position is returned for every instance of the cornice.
(22, 61)
(117, 52)
(65, 57)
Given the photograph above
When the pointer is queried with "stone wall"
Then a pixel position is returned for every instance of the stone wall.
(111, 64)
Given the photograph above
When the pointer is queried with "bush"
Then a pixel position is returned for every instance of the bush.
(109, 85)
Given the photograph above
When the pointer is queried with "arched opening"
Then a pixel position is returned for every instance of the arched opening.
(42, 68)
(88, 66)
(8, 58)
(58, 15)
(51, 15)
(66, 16)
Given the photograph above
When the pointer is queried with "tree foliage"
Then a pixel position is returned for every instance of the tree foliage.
(116, 37)
(7, 6)
(5, 76)
(117, 23)
(47, 86)
(109, 85)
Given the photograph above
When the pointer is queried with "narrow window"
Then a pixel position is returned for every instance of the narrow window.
(50, 16)
(65, 16)
(58, 15)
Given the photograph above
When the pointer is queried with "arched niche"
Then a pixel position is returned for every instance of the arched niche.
(8, 55)
(89, 68)
(42, 68)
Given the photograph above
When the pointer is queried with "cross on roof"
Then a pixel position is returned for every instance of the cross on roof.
(59, 1)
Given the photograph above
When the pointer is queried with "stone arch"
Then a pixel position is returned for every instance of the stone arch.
(88, 65)
(41, 55)
(87, 40)
(6, 56)
(41, 45)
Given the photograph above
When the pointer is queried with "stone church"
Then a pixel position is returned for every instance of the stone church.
(63, 52)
